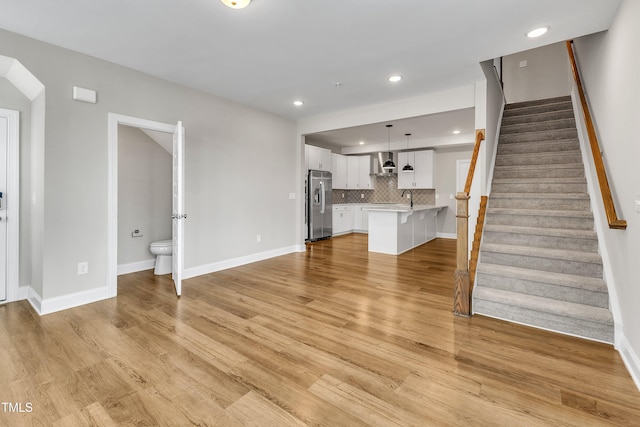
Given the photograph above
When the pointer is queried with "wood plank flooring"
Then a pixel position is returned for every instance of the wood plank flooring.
(335, 336)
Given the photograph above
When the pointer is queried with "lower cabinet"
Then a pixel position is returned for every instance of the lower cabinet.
(342, 217)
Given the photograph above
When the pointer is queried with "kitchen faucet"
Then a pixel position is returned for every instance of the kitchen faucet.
(410, 197)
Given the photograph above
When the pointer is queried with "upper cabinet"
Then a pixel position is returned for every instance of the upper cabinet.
(317, 158)
(339, 171)
(423, 173)
(358, 173)
(351, 172)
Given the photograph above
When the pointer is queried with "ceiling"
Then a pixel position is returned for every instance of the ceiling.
(430, 130)
(276, 51)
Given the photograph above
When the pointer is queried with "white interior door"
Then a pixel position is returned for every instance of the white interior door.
(4, 138)
(178, 215)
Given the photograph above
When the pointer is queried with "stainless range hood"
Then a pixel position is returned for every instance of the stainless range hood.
(382, 158)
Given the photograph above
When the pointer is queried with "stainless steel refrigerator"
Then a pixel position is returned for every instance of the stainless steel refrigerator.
(319, 209)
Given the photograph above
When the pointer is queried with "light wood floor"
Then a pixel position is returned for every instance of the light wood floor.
(334, 336)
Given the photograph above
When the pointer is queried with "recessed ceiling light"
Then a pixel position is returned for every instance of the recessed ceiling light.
(361, 142)
(455, 132)
(236, 4)
(298, 103)
(396, 78)
(537, 32)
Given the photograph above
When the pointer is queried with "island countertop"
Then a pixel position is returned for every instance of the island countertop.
(397, 207)
(397, 228)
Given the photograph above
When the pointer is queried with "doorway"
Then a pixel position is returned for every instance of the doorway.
(9, 199)
(178, 216)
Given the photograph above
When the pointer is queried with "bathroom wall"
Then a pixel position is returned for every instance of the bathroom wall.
(144, 194)
(12, 99)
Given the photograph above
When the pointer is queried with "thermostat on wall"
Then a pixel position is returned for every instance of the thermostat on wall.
(84, 95)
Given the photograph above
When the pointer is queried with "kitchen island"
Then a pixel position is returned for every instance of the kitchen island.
(394, 229)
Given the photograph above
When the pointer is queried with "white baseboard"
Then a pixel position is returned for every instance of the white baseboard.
(236, 262)
(136, 266)
(630, 359)
(51, 305)
(447, 236)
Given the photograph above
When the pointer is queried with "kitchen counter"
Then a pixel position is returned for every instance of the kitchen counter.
(397, 228)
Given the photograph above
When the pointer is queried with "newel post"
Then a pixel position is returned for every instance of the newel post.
(461, 294)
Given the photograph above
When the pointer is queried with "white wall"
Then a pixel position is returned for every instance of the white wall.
(547, 74)
(11, 98)
(241, 166)
(446, 185)
(609, 65)
(144, 194)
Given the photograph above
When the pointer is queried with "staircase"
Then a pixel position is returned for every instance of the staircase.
(539, 262)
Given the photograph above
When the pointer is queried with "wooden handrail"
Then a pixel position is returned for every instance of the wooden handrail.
(474, 160)
(462, 283)
(605, 189)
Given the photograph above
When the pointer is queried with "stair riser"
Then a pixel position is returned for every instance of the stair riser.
(539, 127)
(551, 204)
(546, 187)
(538, 159)
(546, 290)
(550, 242)
(537, 117)
(582, 328)
(570, 223)
(577, 268)
(515, 172)
(538, 147)
(539, 136)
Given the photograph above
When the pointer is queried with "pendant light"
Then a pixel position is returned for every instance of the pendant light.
(407, 167)
(388, 165)
(236, 4)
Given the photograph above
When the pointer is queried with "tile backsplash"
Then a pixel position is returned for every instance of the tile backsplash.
(385, 191)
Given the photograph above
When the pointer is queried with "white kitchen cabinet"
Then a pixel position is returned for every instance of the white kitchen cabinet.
(317, 158)
(365, 180)
(342, 216)
(360, 218)
(358, 173)
(339, 171)
(423, 174)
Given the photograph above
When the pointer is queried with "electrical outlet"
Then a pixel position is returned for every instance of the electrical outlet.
(136, 233)
(292, 196)
(258, 238)
(343, 195)
(523, 64)
(362, 195)
(83, 268)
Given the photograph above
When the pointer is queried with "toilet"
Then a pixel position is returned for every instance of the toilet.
(162, 249)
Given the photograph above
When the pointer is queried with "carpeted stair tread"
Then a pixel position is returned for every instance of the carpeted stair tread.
(538, 135)
(543, 166)
(540, 231)
(555, 124)
(538, 212)
(547, 305)
(511, 112)
(552, 146)
(595, 323)
(573, 180)
(538, 117)
(548, 154)
(592, 284)
(538, 102)
(574, 196)
(556, 254)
